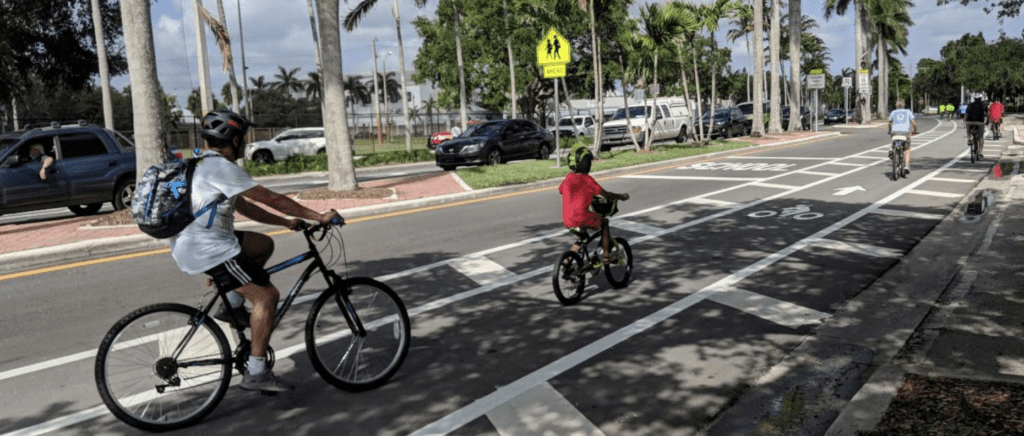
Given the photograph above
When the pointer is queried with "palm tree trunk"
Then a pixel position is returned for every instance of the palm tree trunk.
(696, 86)
(341, 172)
(598, 83)
(757, 128)
(686, 94)
(405, 98)
(572, 111)
(462, 73)
(714, 73)
(774, 38)
(376, 94)
(101, 54)
(795, 18)
(148, 128)
(654, 108)
(863, 62)
(511, 60)
(625, 105)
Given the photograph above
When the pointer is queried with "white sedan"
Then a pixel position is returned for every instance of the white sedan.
(308, 141)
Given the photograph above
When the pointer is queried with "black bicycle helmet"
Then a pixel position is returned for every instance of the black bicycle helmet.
(222, 126)
(580, 159)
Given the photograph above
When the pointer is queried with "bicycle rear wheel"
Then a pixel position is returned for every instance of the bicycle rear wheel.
(896, 163)
(145, 385)
(358, 334)
(619, 270)
(569, 278)
(974, 149)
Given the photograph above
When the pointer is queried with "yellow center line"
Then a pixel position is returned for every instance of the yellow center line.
(118, 258)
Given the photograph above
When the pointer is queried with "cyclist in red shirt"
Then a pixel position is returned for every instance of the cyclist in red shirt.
(577, 190)
(995, 116)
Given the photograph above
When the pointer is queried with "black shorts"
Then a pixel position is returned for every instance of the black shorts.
(238, 271)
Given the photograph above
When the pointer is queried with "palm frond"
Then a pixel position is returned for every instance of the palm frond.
(357, 13)
(223, 38)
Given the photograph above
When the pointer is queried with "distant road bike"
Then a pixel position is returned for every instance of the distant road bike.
(166, 366)
(896, 155)
(571, 270)
(974, 135)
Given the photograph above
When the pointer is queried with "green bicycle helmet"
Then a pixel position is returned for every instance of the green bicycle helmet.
(580, 158)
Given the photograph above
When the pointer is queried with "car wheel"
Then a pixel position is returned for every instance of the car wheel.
(321, 151)
(494, 157)
(448, 167)
(681, 138)
(86, 209)
(123, 194)
(263, 156)
(544, 152)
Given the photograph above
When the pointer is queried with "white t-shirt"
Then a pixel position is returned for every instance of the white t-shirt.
(197, 248)
(900, 119)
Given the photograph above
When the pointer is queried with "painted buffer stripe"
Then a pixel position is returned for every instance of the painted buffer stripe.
(635, 227)
(775, 185)
(934, 193)
(853, 247)
(768, 308)
(909, 214)
(481, 270)
(541, 411)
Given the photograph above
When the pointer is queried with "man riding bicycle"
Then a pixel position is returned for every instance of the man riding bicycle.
(900, 122)
(577, 190)
(975, 118)
(995, 116)
(235, 260)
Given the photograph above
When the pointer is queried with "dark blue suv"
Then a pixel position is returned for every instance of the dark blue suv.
(91, 166)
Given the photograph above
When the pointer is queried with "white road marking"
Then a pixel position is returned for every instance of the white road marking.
(711, 202)
(844, 164)
(481, 270)
(816, 173)
(863, 157)
(909, 214)
(848, 190)
(541, 410)
(729, 179)
(934, 193)
(768, 308)
(781, 158)
(854, 247)
(62, 422)
(636, 227)
(774, 185)
(945, 179)
(970, 170)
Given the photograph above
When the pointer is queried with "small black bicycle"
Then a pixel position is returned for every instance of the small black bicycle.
(167, 366)
(571, 269)
(974, 134)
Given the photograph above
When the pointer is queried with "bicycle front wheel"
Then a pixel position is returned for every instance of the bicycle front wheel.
(146, 385)
(621, 267)
(358, 334)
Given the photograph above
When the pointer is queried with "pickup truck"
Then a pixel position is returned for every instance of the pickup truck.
(585, 124)
(91, 166)
(672, 120)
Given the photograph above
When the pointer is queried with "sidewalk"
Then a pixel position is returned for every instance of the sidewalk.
(37, 244)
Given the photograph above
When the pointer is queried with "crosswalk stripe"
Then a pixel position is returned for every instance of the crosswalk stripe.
(710, 202)
(768, 308)
(845, 164)
(775, 185)
(541, 410)
(817, 173)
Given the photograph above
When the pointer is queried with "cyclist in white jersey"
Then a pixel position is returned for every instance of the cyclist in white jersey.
(900, 122)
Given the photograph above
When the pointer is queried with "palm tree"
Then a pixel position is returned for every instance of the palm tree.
(661, 26)
(891, 21)
(229, 63)
(462, 70)
(794, 64)
(628, 44)
(744, 22)
(287, 80)
(387, 88)
(341, 171)
(313, 86)
(757, 130)
(774, 42)
(861, 30)
(691, 37)
(259, 83)
(708, 19)
(357, 89)
(101, 55)
(352, 20)
(147, 104)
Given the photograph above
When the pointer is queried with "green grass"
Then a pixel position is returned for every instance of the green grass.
(302, 163)
(535, 170)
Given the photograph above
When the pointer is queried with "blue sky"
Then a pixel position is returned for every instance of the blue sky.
(277, 32)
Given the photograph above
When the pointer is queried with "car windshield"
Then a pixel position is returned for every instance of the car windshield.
(720, 114)
(747, 109)
(482, 130)
(634, 112)
(835, 112)
(567, 122)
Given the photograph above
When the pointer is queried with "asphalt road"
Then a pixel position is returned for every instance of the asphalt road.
(288, 183)
(737, 259)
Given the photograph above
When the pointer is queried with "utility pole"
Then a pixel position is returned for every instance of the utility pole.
(245, 78)
(205, 96)
(376, 93)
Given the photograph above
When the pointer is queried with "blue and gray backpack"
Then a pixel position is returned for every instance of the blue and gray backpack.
(162, 205)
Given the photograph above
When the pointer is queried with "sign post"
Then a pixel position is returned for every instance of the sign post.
(552, 55)
(847, 83)
(815, 81)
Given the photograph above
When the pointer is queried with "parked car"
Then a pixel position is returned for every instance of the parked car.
(835, 116)
(670, 121)
(438, 138)
(495, 142)
(91, 166)
(308, 141)
(748, 111)
(585, 123)
(805, 117)
(729, 122)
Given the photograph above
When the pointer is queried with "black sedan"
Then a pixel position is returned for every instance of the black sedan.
(835, 116)
(729, 122)
(495, 142)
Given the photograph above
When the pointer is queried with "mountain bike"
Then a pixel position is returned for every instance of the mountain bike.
(896, 154)
(570, 272)
(996, 135)
(973, 140)
(166, 366)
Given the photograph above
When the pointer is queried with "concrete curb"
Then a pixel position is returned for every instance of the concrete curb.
(82, 250)
(1018, 136)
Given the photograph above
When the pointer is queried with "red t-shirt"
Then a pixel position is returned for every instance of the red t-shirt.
(577, 190)
(995, 112)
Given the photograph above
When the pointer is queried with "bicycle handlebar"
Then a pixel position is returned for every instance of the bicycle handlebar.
(305, 227)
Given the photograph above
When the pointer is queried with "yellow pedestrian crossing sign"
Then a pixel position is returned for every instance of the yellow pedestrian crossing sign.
(553, 49)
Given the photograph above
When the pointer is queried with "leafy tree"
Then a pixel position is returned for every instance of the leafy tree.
(288, 80)
(1005, 8)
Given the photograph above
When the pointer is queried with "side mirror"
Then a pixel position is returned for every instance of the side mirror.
(11, 161)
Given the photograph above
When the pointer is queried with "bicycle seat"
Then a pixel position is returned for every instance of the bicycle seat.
(899, 137)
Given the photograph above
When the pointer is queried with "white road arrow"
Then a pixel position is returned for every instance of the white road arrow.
(844, 191)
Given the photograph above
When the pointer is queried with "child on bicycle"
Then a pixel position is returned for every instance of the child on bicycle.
(577, 190)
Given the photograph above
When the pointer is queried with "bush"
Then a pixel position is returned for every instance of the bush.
(303, 163)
